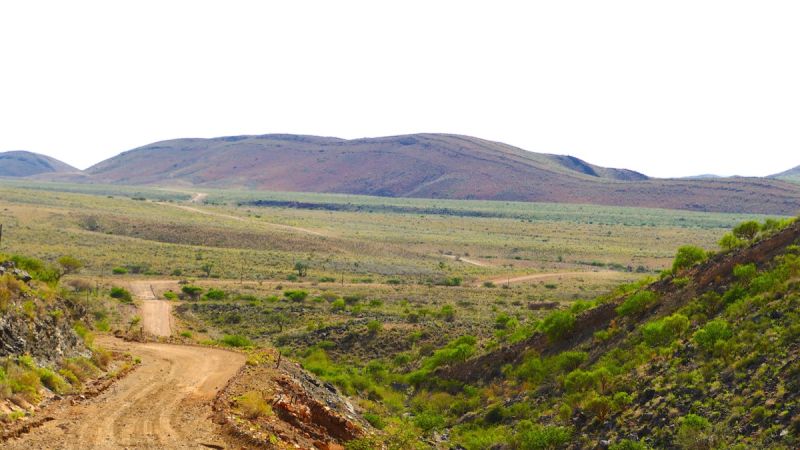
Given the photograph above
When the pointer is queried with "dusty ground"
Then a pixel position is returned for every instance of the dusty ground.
(165, 403)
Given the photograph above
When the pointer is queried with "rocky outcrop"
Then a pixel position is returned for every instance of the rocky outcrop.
(35, 326)
(304, 412)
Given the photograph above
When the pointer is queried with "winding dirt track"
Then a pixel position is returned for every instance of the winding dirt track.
(164, 404)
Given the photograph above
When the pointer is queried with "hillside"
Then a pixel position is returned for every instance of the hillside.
(427, 166)
(25, 164)
(792, 175)
(707, 357)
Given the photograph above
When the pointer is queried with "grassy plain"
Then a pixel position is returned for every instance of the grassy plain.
(388, 283)
(399, 261)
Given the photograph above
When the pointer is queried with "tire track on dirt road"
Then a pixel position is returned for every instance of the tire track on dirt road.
(164, 403)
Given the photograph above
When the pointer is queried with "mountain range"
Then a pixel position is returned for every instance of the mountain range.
(419, 165)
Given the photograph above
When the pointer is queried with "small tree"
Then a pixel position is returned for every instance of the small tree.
(69, 264)
(192, 291)
(747, 230)
(206, 268)
(301, 268)
(688, 256)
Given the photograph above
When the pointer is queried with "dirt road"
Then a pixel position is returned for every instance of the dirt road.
(156, 314)
(165, 403)
(244, 219)
(470, 261)
(549, 276)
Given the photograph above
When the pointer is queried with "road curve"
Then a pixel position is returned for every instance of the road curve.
(164, 404)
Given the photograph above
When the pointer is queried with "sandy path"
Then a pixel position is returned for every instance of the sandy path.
(470, 261)
(156, 314)
(243, 219)
(548, 276)
(165, 403)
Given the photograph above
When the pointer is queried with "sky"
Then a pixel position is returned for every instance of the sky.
(670, 89)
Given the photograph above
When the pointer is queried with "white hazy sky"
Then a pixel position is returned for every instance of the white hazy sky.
(667, 88)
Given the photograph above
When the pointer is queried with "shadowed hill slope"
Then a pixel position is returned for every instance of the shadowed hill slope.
(427, 166)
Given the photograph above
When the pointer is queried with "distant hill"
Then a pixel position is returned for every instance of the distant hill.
(24, 164)
(429, 166)
(792, 175)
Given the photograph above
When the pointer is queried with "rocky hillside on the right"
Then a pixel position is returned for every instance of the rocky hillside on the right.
(705, 357)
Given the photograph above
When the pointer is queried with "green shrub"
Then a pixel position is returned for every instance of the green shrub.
(375, 420)
(37, 269)
(327, 280)
(637, 303)
(627, 444)
(729, 242)
(599, 406)
(483, 438)
(694, 433)
(428, 421)
(253, 405)
(119, 271)
(215, 294)
(169, 295)
(235, 341)
(580, 381)
(688, 256)
(621, 400)
(715, 330)
(374, 326)
(53, 381)
(745, 272)
(454, 281)
(447, 313)
(503, 321)
(121, 294)
(338, 305)
(663, 332)
(540, 437)
(558, 325)
(296, 295)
